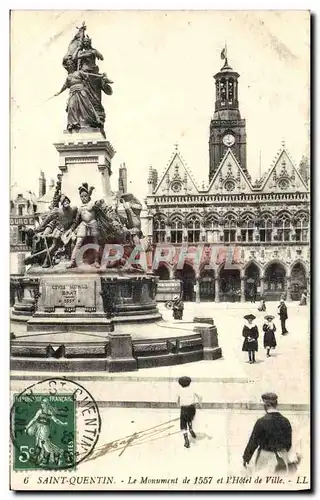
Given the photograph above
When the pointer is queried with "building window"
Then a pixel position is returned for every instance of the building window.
(13, 235)
(302, 228)
(229, 231)
(247, 226)
(193, 226)
(265, 229)
(21, 235)
(20, 209)
(283, 227)
(176, 229)
(159, 230)
(212, 229)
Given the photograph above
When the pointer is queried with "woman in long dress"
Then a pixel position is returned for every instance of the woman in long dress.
(269, 338)
(39, 427)
(251, 334)
(84, 106)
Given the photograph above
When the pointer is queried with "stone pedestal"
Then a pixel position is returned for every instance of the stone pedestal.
(121, 354)
(85, 157)
(70, 303)
(26, 294)
(203, 319)
(209, 334)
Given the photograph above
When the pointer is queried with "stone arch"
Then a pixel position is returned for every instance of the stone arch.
(164, 271)
(275, 261)
(253, 261)
(188, 277)
(275, 279)
(232, 213)
(298, 279)
(229, 281)
(193, 214)
(211, 215)
(302, 263)
(251, 272)
(248, 212)
(176, 215)
(207, 283)
(160, 216)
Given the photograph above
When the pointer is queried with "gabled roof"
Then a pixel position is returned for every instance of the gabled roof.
(229, 176)
(176, 178)
(282, 176)
(16, 191)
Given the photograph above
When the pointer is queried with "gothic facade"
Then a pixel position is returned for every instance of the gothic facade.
(239, 238)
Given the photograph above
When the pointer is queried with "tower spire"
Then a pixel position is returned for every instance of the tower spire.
(227, 128)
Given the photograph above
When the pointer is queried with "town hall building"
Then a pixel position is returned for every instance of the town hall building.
(263, 224)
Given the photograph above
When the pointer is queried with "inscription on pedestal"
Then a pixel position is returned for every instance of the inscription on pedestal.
(69, 295)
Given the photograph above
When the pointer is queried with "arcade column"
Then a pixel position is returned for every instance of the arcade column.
(242, 291)
(216, 290)
(197, 290)
(288, 289)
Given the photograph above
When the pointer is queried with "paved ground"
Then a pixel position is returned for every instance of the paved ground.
(230, 384)
(157, 451)
(228, 380)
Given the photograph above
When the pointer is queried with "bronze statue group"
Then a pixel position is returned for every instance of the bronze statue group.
(66, 228)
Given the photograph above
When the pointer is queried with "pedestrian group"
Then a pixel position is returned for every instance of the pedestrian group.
(250, 330)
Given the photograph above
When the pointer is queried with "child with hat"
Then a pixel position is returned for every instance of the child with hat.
(177, 307)
(251, 334)
(269, 339)
(187, 399)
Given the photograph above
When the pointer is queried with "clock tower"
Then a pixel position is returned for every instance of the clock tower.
(227, 128)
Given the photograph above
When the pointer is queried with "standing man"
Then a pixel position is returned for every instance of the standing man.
(86, 223)
(283, 313)
(272, 436)
(177, 307)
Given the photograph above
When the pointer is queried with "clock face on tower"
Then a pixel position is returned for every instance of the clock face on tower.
(228, 140)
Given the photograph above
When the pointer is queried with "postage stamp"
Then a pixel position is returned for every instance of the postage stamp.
(45, 430)
(55, 424)
(160, 249)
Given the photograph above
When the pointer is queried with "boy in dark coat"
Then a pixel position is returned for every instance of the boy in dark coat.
(272, 435)
(283, 313)
(269, 338)
(251, 334)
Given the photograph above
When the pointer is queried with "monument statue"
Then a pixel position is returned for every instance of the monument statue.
(63, 217)
(66, 228)
(85, 83)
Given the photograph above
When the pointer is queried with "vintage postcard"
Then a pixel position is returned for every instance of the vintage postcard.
(160, 250)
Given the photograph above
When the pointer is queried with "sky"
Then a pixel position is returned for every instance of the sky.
(162, 65)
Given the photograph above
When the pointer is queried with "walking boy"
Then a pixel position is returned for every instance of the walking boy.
(187, 399)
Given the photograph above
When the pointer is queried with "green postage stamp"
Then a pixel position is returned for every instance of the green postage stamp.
(44, 430)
